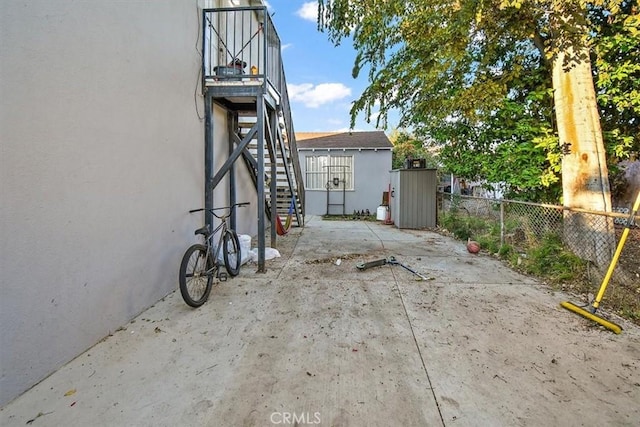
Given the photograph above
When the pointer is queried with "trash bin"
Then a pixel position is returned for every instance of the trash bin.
(381, 214)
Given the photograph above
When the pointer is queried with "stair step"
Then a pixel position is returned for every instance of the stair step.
(254, 146)
(253, 151)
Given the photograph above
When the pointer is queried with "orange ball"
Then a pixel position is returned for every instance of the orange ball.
(473, 247)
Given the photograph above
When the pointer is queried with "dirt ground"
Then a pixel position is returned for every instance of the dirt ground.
(315, 341)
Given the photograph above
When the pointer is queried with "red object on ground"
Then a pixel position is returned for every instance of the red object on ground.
(473, 247)
(280, 228)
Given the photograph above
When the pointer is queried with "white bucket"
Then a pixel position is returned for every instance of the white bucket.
(245, 250)
(381, 214)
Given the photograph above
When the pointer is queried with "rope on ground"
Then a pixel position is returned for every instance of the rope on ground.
(415, 340)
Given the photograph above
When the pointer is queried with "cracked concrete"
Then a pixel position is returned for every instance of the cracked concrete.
(310, 342)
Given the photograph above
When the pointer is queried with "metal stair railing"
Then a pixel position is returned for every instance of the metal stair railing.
(293, 148)
(285, 188)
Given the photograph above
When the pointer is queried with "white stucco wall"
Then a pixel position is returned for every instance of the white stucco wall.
(101, 157)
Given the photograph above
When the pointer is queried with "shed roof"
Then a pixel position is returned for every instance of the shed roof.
(371, 140)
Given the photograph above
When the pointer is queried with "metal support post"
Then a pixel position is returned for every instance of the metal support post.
(260, 107)
(232, 118)
(208, 158)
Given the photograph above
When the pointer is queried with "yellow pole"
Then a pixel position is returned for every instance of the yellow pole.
(614, 261)
(584, 313)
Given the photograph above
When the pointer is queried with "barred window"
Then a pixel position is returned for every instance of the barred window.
(323, 169)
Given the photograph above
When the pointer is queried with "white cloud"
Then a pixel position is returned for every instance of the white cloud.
(295, 91)
(309, 11)
(285, 46)
(314, 96)
(267, 4)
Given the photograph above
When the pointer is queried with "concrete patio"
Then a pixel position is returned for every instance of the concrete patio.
(315, 341)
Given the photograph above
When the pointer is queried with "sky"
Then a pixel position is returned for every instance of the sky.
(321, 88)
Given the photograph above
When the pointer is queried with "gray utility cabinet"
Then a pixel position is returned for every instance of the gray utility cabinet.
(413, 198)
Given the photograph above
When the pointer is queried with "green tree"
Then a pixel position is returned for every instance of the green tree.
(502, 145)
(407, 146)
(616, 60)
(458, 62)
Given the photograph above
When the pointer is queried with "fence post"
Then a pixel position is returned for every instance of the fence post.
(501, 222)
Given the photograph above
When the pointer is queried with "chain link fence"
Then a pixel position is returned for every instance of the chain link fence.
(592, 236)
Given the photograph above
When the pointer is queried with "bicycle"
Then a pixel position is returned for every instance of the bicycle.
(200, 262)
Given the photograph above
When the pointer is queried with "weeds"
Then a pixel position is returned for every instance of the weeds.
(549, 259)
(464, 226)
(544, 257)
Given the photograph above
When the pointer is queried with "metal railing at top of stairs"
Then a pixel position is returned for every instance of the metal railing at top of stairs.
(240, 42)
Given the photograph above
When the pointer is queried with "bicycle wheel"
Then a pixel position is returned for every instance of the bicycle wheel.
(196, 275)
(231, 252)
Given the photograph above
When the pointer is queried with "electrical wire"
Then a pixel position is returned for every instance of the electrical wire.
(195, 94)
(199, 76)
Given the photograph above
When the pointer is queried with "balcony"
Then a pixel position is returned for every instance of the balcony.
(241, 54)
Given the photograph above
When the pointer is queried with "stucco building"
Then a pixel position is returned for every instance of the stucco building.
(115, 120)
(344, 171)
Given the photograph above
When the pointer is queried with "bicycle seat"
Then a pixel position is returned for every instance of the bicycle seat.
(204, 230)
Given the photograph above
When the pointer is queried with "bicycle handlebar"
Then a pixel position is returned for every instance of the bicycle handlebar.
(216, 209)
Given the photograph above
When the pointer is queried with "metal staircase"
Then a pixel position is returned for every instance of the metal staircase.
(286, 182)
(259, 123)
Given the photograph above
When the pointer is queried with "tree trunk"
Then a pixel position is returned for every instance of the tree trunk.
(585, 182)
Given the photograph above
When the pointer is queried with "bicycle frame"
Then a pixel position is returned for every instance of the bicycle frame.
(222, 228)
